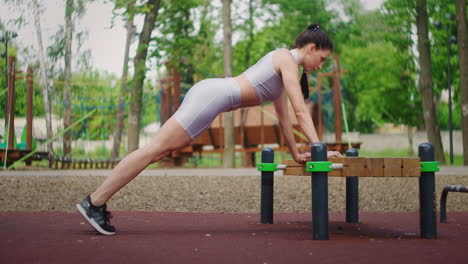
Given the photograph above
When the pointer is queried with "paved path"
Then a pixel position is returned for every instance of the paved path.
(168, 237)
(444, 170)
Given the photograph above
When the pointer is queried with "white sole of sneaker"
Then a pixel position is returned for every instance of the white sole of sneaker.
(92, 222)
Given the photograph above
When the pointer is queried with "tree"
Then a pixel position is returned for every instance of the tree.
(123, 84)
(69, 9)
(229, 140)
(425, 81)
(139, 74)
(43, 75)
(462, 29)
(74, 9)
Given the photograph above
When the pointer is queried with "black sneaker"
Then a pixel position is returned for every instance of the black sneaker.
(97, 216)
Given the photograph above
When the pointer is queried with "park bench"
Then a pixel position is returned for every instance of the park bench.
(352, 167)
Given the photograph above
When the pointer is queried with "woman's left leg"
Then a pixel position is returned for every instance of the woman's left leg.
(170, 137)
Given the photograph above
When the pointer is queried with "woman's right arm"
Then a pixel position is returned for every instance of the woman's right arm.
(281, 109)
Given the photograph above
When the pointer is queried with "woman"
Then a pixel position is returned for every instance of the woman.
(271, 79)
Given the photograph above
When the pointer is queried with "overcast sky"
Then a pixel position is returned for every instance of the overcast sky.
(106, 44)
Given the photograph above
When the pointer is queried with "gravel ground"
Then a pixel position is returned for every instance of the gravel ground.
(213, 190)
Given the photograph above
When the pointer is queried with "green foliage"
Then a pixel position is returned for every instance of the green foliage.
(401, 18)
(180, 43)
(380, 84)
(374, 88)
(443, 116)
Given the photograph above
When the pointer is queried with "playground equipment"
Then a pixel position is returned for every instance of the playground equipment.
(443, 199)
(351, 167)
(10, 151)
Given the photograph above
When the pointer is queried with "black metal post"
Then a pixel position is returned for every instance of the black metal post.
(319, 194)
(443, 199)
(427, 206)
(352, 193)
(266, 201)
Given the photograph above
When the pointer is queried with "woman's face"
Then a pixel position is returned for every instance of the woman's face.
(314, 57)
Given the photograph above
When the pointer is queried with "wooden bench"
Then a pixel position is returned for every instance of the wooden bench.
(352, 167)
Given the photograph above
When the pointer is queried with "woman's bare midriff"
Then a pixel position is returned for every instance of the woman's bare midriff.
(248, 95)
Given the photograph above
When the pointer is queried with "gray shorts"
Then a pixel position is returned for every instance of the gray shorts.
(204, 101)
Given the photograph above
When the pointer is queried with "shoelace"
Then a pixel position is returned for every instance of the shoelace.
(107, 215)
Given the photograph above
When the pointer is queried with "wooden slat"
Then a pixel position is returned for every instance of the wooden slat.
(336, 173)
(355, 167)
(364, 167)
(392, 167)
(411, 167)
(292, 163)
(374, 167)
(296, 171)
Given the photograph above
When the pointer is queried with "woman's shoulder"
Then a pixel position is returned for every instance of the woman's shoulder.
(282, 56)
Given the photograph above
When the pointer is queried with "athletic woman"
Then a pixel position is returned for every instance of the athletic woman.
(273, 78)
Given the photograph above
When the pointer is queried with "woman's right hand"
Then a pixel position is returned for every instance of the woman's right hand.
(302, 157)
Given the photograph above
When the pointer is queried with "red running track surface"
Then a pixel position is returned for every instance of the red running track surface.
(171, 237)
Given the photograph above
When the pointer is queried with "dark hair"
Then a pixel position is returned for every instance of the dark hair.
(313, 34)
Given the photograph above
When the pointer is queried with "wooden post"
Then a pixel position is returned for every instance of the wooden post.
(177, 79)
(243, 141)
(11, 103)
(263, 127)
(168, 98)
(337, 97)
(319, 101)
(29, 109)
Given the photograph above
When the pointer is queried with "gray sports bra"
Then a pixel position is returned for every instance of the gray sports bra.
(266, 82)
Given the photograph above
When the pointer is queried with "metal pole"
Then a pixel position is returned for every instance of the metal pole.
(352, 193)
(319, 194)
(443, 199)
(450, 94)
(266, 201)
(427, 207)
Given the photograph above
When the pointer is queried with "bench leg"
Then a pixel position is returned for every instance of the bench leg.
(352, 193)
(319, 195)
(267, 187)
(427, 207)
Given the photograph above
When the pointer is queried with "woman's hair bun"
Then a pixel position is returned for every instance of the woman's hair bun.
(313, 27)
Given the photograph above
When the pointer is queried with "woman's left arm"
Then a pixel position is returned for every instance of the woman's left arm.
(290, 74)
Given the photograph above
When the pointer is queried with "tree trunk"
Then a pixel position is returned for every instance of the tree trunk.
(462, 32)
(410, 141)
(43, 76)
(67, 82)
(250, 32)
(139, 75)
(425, 81)
(123, 88)
(229, 141)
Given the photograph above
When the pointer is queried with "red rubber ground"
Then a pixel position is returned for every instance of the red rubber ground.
(168, 237)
